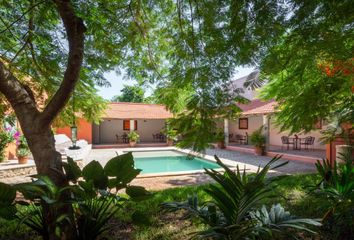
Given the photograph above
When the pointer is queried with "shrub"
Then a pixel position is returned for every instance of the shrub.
(232, 213)
(133, 136)
(337, 186)
(90, 195)
(257, 138)
(22, 152)
(5, 138)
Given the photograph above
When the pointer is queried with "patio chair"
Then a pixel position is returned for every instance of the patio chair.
(309, 141)
(125, 138)
(231, 135)
(246, 139)
(285, 141)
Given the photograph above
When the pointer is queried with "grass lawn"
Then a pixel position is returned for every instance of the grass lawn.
(291, 192)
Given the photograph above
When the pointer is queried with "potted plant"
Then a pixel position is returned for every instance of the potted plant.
(220, 139)
(258, 140)
(5, 138)
(22, 150)
(133, 138)
(22, 155)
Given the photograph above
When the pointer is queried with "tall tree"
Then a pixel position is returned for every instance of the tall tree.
(133, 93)
(310, 70)
(189, 46)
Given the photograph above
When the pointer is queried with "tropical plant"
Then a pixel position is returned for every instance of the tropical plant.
(232, 213)
(22, 152)
(90, 197)
(337, 185)
(133, 136)
(257, 138)
(5, 138)
(171, 133)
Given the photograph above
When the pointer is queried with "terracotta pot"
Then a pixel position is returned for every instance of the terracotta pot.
(169, 142)
(22, 160)
(132, 143)
(221, 144)
(259, 151)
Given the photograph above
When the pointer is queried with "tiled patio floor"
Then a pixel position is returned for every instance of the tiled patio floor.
(244, 160)
(316, 153)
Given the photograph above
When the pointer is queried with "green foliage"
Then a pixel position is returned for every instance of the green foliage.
(232, 214)
(22, 152)
(314, 56)
(257, 138)
(337, 186)
(91, 198)
(5, 139)
(130, 94)
(280, 222)
(133, 136)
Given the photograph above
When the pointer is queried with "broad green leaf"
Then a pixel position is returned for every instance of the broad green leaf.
(7, 194)
(137, 193)
(72, 170)
(122, 168)
(8, 212)
(95, 172)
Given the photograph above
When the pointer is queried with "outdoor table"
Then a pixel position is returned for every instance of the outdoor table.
(297, 143)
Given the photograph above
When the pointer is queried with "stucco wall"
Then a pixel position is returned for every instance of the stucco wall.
(106, 132)
(148, 127)
(254, 122)
(275, 136)
(84, 130)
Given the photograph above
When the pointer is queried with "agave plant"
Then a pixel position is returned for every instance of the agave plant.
(276, 222)
(235, 198)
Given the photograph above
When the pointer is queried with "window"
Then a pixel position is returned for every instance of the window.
(126, 125)
(243, 123)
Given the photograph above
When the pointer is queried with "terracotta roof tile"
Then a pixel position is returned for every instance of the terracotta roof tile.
(126, 110)
(258, 107)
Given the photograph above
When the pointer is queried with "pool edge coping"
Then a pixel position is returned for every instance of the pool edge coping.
(206, 157)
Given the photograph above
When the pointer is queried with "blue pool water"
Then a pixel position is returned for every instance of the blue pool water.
(170, 162)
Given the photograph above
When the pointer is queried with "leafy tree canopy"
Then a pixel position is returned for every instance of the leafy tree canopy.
(310, 71)
(189, 49)
(133, 93)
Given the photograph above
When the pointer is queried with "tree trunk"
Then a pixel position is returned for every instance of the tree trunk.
(36, 124)
(48, 162)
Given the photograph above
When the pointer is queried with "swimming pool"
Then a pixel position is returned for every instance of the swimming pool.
(169, 161)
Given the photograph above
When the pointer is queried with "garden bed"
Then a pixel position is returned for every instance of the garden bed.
(291, 192)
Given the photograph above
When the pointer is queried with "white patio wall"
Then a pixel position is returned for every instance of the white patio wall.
(254, 122)
(148, 127)
(105, 133)
(275, 136)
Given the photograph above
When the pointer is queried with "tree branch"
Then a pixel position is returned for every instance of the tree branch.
(20, 17)
(75, 29)
(15, 92)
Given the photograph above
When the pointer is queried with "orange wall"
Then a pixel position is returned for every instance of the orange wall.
(84, 130)
(10, 151)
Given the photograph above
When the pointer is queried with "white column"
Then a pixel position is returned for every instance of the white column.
(266, 131)
(132, 125)
(226, 131)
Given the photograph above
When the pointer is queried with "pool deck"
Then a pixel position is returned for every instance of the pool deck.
(169, 180)
(232, 158)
